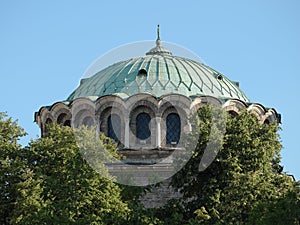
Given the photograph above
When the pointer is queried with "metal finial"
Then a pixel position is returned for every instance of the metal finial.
(158, 32)
(158, 49)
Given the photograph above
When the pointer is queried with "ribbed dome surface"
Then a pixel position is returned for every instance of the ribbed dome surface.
(158, 73)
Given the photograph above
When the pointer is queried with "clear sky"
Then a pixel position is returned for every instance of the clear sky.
(46, 46)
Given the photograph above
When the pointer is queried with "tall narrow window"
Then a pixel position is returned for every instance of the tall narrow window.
(114, 127)
(173, 128)
(143, 132)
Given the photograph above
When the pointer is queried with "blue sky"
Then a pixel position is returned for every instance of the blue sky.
(46, 46)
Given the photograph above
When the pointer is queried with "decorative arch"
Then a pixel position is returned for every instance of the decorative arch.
(83, 112)
(202, 101)
(106, 106)
(271, 116)
(162, 112)
(108, 124)
(234, 106)
(267, 121)
(142, 99)
(180, 102)
(142, 111)
(64, 119)
(258, 110)
(59, 108)
(84, 117)
(180, 123)
(110, 101)
(61, 118)
(61, 114)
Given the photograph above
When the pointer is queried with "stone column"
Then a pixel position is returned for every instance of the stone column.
(158, 132)
(126, 133)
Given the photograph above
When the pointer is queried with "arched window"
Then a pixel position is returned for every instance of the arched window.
(88, 121)
(114, 127)
(173, 128)
(67, 123)
(143, 132)
(233, 113)
(48, 121)
(61, 118)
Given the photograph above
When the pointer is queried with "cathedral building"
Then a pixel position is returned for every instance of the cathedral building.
(144, 103)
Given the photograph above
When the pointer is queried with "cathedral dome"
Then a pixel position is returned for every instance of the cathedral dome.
(144, 103)
(158, 73)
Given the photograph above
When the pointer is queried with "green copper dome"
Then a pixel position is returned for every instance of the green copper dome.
(158, 73)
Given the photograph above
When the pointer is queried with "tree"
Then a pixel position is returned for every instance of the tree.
(283, 210)
(12, 168)
(62, 178)
(244, 174)
(70, 190)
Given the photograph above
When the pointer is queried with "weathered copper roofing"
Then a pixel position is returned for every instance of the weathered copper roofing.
(159, 73)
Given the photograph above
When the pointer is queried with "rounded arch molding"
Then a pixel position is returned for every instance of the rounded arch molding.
(96, 112)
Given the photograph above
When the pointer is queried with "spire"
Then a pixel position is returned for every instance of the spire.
(158, 49)
(158, 42)
(158, 34)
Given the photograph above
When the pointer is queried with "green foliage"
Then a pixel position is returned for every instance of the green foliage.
(12, 168)
(243, 175)
(172, 213)
(202, 215)
(77, 194)
(55, 183)
(232, 177)
(281, 210)
(138, 215)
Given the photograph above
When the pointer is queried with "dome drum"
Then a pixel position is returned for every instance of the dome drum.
(158, 110)
(144, 103)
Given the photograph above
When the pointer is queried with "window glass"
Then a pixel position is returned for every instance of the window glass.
(173, 128)
(114, 127)
(143, 131)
